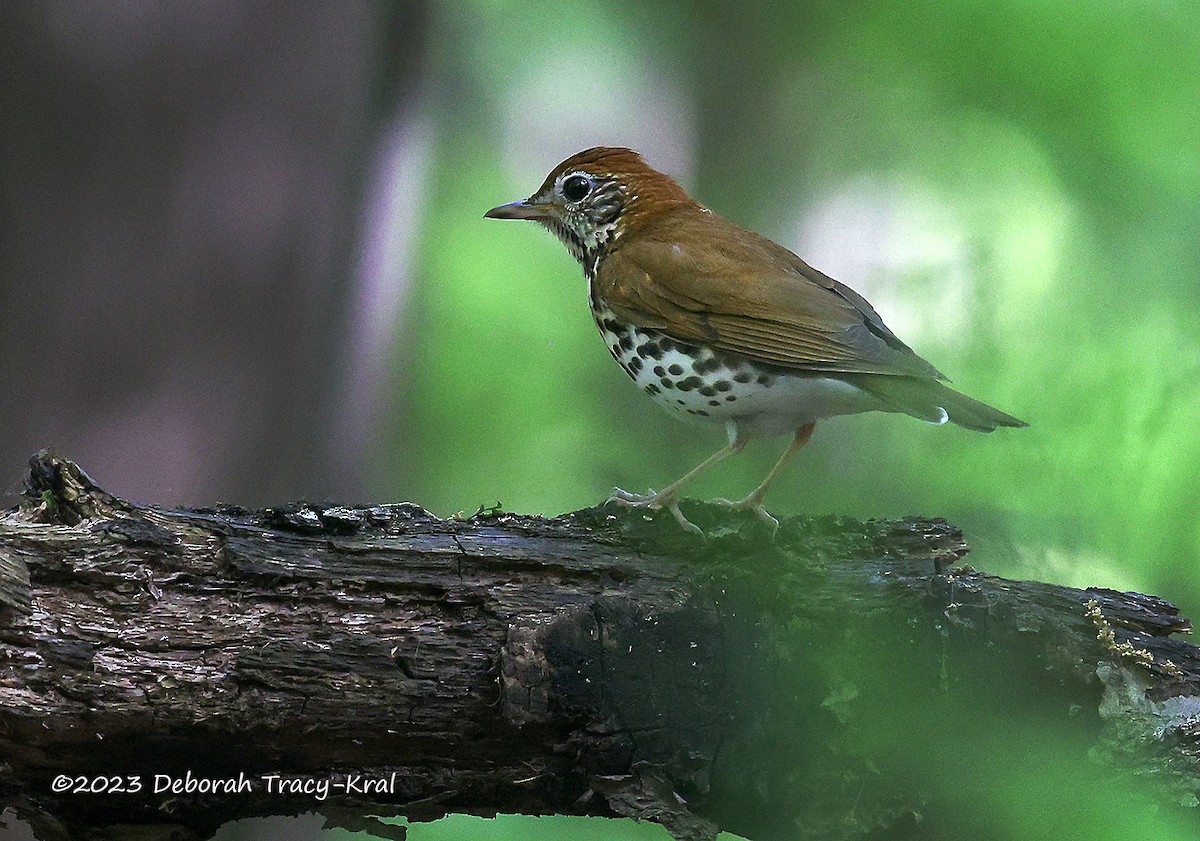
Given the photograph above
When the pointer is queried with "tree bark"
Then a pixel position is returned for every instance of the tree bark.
(598, 663)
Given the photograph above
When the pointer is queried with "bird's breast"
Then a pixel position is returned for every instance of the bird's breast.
(699, 383)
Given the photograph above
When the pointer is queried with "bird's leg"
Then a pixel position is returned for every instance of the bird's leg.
(668, 497)
(753, 502)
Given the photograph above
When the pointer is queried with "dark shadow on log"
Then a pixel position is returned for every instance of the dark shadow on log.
(827, 684)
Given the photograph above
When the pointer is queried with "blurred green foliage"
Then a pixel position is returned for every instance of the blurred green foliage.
(1033, 167)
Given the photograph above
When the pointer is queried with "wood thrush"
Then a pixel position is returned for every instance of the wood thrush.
(719, 324)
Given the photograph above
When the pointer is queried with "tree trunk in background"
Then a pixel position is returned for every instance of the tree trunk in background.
(825, 685)
(179, 208)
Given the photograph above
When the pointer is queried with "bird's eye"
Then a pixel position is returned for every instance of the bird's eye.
(576, 187)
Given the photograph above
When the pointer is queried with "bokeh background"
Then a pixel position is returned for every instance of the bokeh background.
(242, 256)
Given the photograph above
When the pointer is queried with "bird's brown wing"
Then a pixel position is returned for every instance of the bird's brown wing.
(702, 278)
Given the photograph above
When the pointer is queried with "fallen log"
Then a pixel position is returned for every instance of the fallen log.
(170, 670)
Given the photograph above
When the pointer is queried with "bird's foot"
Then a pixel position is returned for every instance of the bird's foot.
(655, 501)
(752, 503)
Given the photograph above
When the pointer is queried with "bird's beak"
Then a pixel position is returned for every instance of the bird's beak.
(523, 209)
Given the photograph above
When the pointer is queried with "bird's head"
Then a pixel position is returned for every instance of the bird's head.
(594, 197)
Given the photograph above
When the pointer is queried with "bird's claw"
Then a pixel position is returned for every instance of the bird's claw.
(622, 497)
(754, 506)
(655, 501)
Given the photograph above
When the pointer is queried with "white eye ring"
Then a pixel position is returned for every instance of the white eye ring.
(576, 187)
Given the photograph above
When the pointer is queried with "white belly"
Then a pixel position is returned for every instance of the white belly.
(696, 384)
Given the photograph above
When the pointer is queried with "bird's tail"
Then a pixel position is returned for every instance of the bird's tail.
(931, 401)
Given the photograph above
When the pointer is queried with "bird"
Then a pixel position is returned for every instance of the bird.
(719, 324)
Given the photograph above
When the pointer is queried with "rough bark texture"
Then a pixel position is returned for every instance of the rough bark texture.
(598, 663)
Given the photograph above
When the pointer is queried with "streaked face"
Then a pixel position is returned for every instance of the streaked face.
(579, 205)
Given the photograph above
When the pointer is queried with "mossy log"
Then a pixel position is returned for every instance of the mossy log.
(843, 679)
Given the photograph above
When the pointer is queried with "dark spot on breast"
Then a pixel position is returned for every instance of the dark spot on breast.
(676, 369)
(765, 379)
(705, 366)
(667, 383)
(635, 364)
(650, 350)
(714, 402)
(611, 325)
(681, 402)
(626, 343)
(689, 383)
(652, 389)
(660, 371)
(708, 390)
(742, 377)
(724, 385)
(729, 398)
